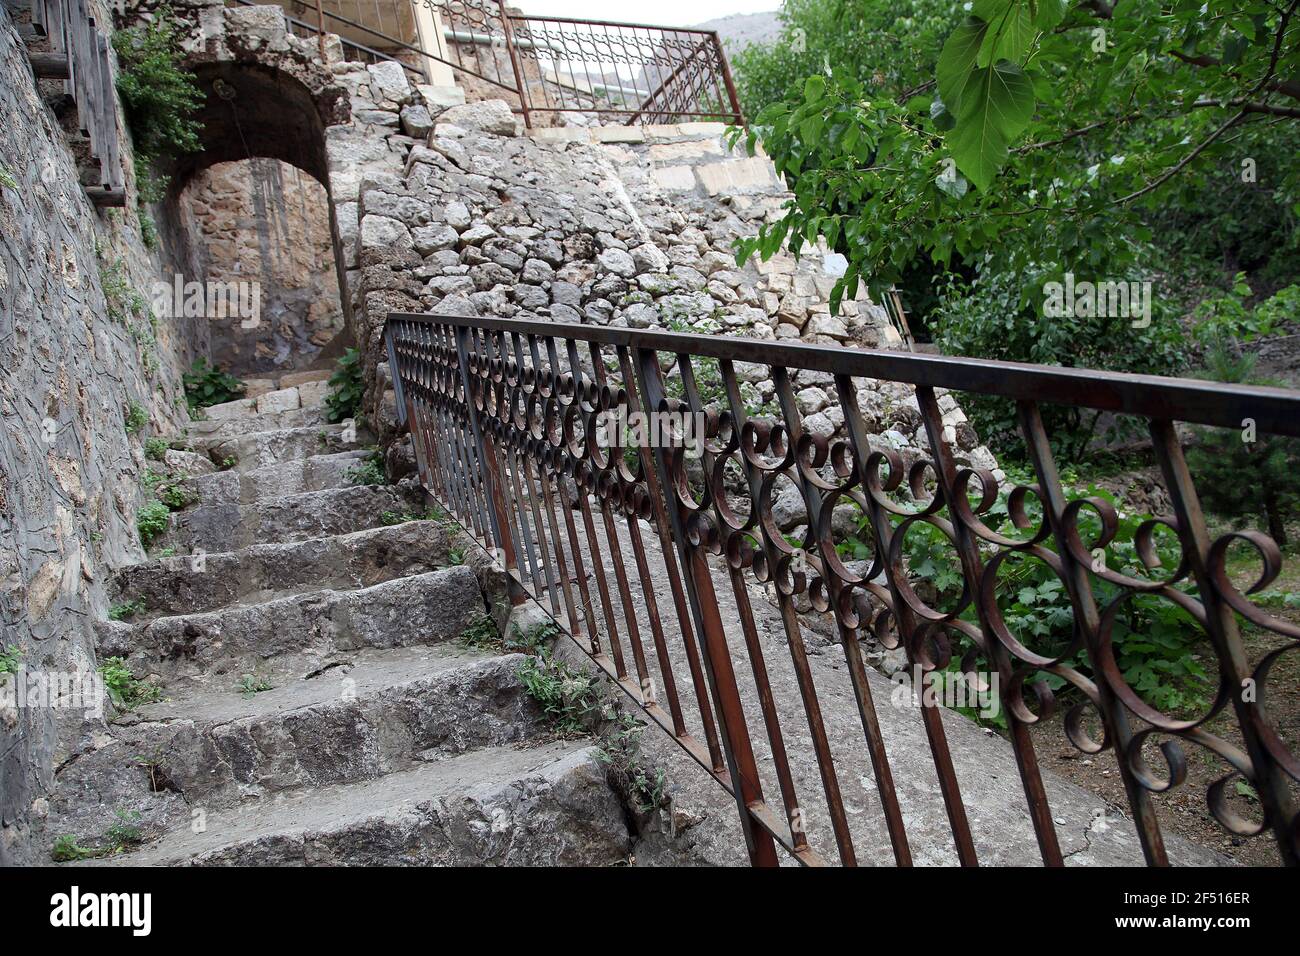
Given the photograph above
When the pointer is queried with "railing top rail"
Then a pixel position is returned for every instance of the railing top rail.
(613, 23)
(1274, 410)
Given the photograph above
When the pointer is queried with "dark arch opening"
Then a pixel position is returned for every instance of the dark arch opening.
(255, 113)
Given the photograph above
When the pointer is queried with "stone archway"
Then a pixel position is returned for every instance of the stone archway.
(253, 207)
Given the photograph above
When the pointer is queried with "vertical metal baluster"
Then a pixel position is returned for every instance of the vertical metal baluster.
(1086, 618)
(743, 769)
(1270, 782)
(748, 628)
(972, 568)
(794, 632)
(680, 604)
(907, 627)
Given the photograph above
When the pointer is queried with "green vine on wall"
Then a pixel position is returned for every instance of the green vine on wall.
(160, 100)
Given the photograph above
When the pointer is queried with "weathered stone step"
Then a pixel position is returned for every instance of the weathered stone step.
(312, 514)
(292, 477)
(263, 572)
(251, 450)
(546, 806)
(295, 635)
(219, 428)
(377, 712)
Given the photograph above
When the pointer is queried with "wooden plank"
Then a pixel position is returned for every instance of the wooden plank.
(77, 17)
(112, 145)
(39, 19)
(49, 66)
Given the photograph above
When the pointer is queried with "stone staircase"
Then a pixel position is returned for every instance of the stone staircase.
(317, 706)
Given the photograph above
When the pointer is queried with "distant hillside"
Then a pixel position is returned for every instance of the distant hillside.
(741, 29)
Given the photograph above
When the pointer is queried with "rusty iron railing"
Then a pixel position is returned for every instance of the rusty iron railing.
(630, 73)
(506, 420)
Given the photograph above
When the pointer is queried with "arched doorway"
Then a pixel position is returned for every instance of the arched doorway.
(251, 211)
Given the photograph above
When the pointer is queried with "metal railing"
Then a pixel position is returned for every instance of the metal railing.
(506, 418)
(632, 73)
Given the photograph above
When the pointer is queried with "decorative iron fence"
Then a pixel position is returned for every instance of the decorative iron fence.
(631, 73)
(507, 417)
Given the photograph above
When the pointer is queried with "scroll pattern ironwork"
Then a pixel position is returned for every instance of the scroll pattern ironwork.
(504, 415)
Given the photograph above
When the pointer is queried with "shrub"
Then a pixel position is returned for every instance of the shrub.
(205, 385)
(369, 472)
(569, 698)
(160, 99)
(155, 449)
(10, 659)
(125, 610)
(125, 689)
(152, 520)
(135, 417)
(346, 388)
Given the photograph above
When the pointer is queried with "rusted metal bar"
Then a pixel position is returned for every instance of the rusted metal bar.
(504, 433)
(521, 83)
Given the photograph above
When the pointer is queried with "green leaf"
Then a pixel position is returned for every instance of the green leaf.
(814, 88)
(957, 59)
(1010, 30)
(996, 105)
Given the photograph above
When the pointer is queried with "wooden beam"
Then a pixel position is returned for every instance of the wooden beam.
(50, 66)
(106, 197)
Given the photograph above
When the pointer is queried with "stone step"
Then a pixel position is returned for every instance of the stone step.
(234, 425)
(293, 477)
(375, 712)
(543, 806)
(293, 636)
(252, 450)
(264, 572)
(312, 514)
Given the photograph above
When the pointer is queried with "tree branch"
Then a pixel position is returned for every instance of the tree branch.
(1182, 163)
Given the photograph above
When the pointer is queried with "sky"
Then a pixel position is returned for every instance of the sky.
(669, 13)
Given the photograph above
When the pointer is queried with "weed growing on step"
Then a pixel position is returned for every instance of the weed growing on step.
(620, 753)
(481, 635)
(125, 689)
(11, 658)
(536, 640)
(134, 417)
(251, 684)
(369, 472)
(455, 557)
(7, 178)
(151, 521)
(390, 518)
(126, 610)
(118, 838)
(67, 850)
(346, 388)
(575, 704)
(175, 497)
(230, 461)
(206, 384)
(155, 449)
(570, 698)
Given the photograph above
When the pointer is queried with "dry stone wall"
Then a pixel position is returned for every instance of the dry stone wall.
(77, 350)
(616, 226)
